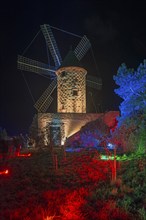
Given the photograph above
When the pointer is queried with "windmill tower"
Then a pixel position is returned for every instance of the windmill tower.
(71, 89)
(69, 77)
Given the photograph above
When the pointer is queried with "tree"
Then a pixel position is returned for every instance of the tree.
(94, 132)
(132, 89)
(3, 133)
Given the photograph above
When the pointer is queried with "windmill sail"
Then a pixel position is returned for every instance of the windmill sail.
(45, 100)
(26, 64)
(45, 105)
(94, 82)
(82, 48)
(51, 42)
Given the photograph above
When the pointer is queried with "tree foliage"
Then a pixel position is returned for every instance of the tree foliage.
(3, 133)
(132, 121)
(132, 89)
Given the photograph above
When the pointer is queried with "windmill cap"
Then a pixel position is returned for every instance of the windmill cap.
(71, 60)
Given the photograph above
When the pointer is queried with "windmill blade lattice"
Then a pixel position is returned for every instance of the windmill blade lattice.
(26, 64)
(82, 48)
(43, 108)
(45, 100)
(51, 42)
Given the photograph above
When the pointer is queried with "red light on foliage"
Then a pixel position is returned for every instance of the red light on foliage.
(25, 155)
(4, 172)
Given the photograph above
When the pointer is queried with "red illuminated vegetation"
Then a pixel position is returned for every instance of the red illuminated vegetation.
(80, 188)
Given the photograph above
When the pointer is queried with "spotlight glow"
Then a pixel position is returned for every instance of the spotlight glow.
(4, 172)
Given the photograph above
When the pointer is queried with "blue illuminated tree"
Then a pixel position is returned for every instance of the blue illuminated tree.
(132, 89)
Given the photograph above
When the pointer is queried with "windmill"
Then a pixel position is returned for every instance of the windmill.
(67, 74)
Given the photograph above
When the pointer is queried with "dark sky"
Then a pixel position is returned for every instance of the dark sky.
(116, 29)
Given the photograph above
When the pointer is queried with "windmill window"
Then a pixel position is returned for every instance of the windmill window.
(75, 93)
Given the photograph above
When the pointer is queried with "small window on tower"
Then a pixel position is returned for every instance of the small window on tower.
(63, 74)
(75, 93)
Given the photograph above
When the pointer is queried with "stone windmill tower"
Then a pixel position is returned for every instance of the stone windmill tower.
(71, 89)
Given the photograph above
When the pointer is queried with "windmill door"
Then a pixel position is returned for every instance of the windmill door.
(55, 135)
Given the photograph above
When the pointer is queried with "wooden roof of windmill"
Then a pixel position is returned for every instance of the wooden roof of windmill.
(71, 60)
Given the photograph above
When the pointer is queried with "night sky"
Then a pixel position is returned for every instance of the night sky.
(116, 29)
